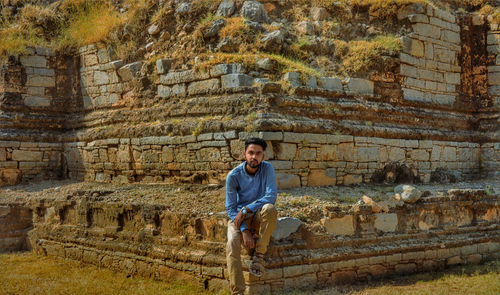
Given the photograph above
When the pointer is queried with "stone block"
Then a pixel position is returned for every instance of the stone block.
(494, 79)
(331, 84)
(351, 179)
(286, 226)
(293, 78)
(44, 72)
(396, 154)
(10, 176)
(322, 177)
(377, 271)
(281, 165)
(413, 46)
(344, 277)
(130, 71)
(103, 55)
(307, 154)
(327, 153)
(164, 91)
(367, 154)
(455, 260)
(419, 155)
(339, 226)
(407, 268)
(411, 82)
(285, 181)
(36, 61)
(36, 101)
(236, 80)
(238, 149)
(163, 65)
(445, 55)
(449, 154)
(28, 156)
(225, 69)
(413, 95)
(203, 86)
(386, 222)
(418, 18)
(444, 15)
(427, 30)
(450, 36)
(209, 154)
(359, 86)
(346, 152)
(100, 78)
(45, 51)
(286, 151)
(178, 89)
(36, 91)
(277, 136)
(474, 258)
(40, 81)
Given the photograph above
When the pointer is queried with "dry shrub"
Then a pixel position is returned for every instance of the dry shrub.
(88, 22)
(15, 39)
(493, 11)
(237, 30)
(383, 9)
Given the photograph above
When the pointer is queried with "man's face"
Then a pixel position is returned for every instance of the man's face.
(254, 155)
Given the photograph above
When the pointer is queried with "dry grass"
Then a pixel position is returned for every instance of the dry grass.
(25, 273)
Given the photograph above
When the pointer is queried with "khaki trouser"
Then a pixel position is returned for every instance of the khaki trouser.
(262, 224)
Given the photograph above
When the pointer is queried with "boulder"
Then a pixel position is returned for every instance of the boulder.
(214, 28)
(254, 11)
(408, 193)
(226, 8)
(273, 41)
(285, 227)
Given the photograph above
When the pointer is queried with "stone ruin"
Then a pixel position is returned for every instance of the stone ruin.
(89, 118)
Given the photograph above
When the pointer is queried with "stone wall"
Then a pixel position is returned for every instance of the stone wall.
(430, 59)
(27, 161)
(440, 230)
(299, 159)
(16, 221)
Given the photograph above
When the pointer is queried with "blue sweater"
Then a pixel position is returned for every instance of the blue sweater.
(253, 191)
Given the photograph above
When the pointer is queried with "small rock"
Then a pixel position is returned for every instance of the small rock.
(153, 29)
(319, 13)
(254, 11)
(375, 206)
(265, 64)
(408, 193)
(214, 28)
(254, 26)
(293, 78)
(130, 71)
(183, 8)
(273, 41)
(305, 28)
(285, 227)
(163, 65)
(226, 8)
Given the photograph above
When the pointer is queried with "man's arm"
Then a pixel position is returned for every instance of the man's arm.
(271, 191)
(232, 200)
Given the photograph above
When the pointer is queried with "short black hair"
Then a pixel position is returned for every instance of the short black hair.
(257, 141)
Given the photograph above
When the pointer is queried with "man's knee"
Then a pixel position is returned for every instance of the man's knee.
(269, 210)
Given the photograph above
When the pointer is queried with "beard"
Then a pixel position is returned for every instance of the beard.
(253, 164)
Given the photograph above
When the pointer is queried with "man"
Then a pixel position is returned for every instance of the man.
(250, 197)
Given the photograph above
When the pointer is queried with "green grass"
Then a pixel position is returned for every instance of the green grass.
(26, 273)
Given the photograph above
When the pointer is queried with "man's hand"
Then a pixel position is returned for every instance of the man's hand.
(248, 239)
(239, 219)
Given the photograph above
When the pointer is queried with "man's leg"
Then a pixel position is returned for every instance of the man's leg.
(233, 256)
(267, 217)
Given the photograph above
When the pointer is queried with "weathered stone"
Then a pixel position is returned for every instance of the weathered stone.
(265, 64)
(130, 71)
(236, 80)
(407, 268)
(359, 86)
(330, 83)
(322, 177)
(183, 8)
(293, 78)
(307, 154)
(455, 260)
(224, 69)
(319, 13)
(179, 90)
(226, 8)
(28, 156)
(346, 151)
(163, 65)
(33, 61)
(101, 78)
(36, 101)
(286, 151)
(254, 11)
(203, 86)
(418, 18)
(386, 222)
(214, 28)
(419, 155)
(305, 28)
(427, 30)
(153, 29)
(413, 46)
(10, 176)
(286, 226)
(273, 41)
(164, 91)
(367, 154)
(44, 72)
(409, 194)
(339, 226)
(285, 181)
(41, 81)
